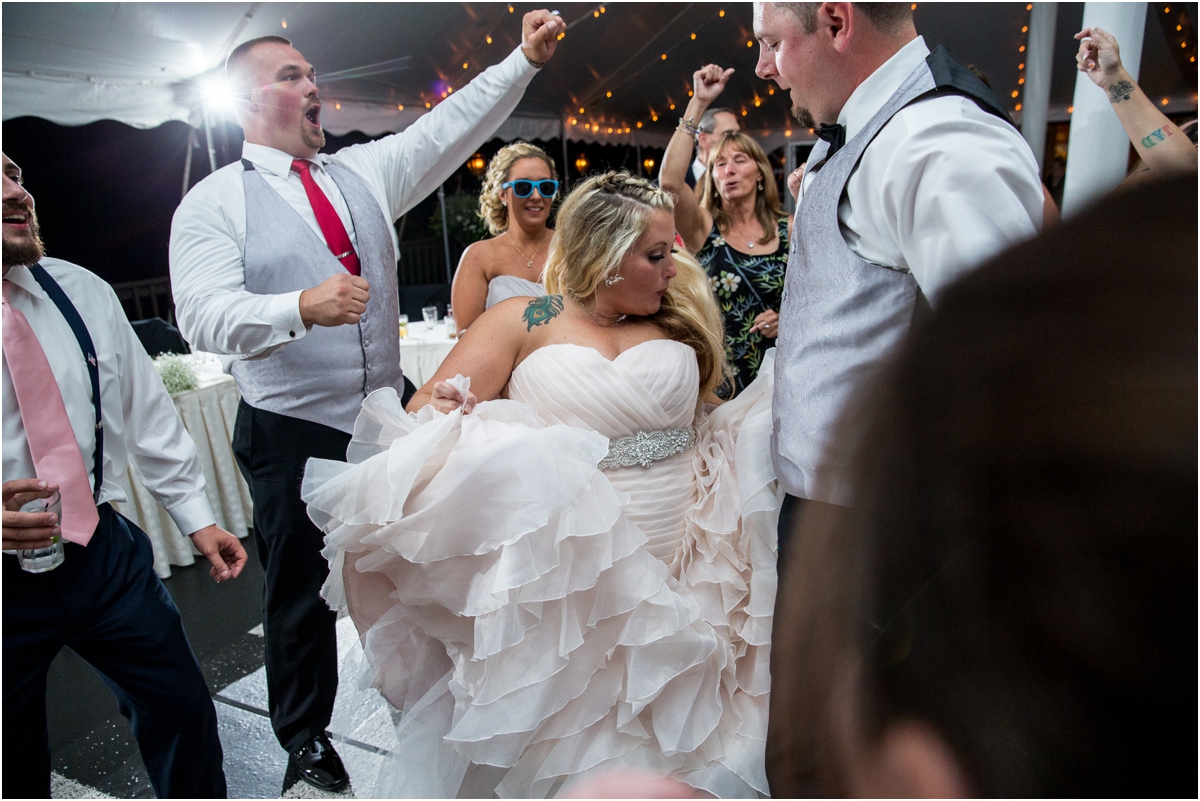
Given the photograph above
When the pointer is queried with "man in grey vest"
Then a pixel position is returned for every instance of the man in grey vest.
(919, 176)
(286, 260)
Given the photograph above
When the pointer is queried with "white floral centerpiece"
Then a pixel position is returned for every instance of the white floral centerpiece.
(176, 373)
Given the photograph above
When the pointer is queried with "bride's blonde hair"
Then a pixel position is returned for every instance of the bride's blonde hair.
(597, 225)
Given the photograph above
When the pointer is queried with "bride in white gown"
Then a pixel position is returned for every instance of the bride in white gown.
(565, 563)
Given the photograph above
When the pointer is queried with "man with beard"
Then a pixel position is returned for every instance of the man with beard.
(287, 261)
(75, 381)
(919, 177)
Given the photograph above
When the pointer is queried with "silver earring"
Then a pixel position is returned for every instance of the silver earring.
(612, 279)
(760, 186)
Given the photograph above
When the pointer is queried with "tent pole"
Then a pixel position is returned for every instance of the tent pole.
(566, 164)
(445, 231)
(212, 154)
(187, 160)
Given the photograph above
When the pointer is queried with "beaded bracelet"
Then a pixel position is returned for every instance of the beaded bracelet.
(537, 65)
(687, 126)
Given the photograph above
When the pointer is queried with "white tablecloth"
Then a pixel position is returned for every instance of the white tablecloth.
(421, 354)
(208, 414)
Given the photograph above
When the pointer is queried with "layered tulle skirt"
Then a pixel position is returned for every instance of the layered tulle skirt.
(511, 607)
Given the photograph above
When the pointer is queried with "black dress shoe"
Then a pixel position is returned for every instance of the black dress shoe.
(318, 764)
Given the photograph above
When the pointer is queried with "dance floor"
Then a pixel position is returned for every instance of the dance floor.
(95, 755)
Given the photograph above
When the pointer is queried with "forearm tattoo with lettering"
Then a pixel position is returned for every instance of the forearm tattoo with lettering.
(1119, 91)
(1158, 136)
(542, 310)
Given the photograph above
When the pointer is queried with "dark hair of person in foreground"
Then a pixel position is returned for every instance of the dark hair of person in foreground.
(1009, 608)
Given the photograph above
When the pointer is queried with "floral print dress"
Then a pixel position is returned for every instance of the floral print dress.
(746, 285)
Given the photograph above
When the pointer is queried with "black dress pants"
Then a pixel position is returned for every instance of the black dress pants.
(106, 604)
(301, 641)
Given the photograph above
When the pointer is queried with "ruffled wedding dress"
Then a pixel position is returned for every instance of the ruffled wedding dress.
(531, 612)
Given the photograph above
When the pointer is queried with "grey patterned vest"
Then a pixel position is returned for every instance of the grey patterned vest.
(842, 315)
(324, 376)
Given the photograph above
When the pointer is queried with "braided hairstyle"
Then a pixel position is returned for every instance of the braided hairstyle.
(491, 210)
(598, 224)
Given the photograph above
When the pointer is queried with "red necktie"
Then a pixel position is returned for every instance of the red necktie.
(331, 224)
(52, 443)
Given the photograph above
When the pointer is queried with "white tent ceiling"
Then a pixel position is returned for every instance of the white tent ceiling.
(379, 64)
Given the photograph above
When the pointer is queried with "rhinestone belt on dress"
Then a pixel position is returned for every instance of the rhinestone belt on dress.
(647, 447)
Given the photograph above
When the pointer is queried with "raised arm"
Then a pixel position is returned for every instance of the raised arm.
(1158, 142)
(404, 168)
(691, 221)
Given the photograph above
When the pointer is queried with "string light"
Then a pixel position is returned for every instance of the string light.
(648, 164)
(1020, 81)
(1021, 49)
(428, 105)
(914, 6)
(1164, 101)
(574, 121)
(596, 14)
(788, 132)
(1025, 29)
(639, 124)
(283, 23)
(664, 56)
(693, 36)
(608, 94)
(489, 40)
(581, 162)
(757, 102)
(1020, 66)
(750, 43)
(1017, 107)
(511, 9)
(602, 9)
(689, 92)
(581, 109)
(464, 65)
(653, 118)
(771, 90)
(1070, 109)
(561, 35)
(337, 106)
(743, 112)
(1015, 93)
(721, 13)
(672, 107)
(400, 107)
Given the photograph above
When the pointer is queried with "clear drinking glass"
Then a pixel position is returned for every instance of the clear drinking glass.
(40, 560)
(430, 315)
(451, 327)
(404, 326)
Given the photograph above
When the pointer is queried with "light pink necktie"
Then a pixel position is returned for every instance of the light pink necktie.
(56, 456)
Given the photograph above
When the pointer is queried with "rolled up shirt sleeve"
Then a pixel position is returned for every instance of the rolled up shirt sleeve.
(214, 311)
(160, 450)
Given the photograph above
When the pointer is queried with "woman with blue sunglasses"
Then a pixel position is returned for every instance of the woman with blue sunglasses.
(518, 191)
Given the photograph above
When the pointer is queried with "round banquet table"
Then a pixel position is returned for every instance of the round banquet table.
(421, 354)
(208, 414)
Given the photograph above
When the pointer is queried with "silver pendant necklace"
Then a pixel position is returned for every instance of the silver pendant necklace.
(529, 259)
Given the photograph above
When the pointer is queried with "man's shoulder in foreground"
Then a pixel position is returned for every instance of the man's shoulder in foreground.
(213, 188)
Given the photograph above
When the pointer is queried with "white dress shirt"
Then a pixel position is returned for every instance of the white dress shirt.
(698, 169)
(141, 425)
(944, 186)
(208, 233)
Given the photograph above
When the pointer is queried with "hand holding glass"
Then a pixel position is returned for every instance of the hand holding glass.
(40, 560)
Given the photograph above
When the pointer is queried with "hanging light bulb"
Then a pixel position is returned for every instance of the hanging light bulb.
(581, 162)
(477, 165)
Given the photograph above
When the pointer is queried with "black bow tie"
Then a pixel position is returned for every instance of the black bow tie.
(834, 134)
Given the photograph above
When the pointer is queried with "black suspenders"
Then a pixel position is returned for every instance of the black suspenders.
(84, 339)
